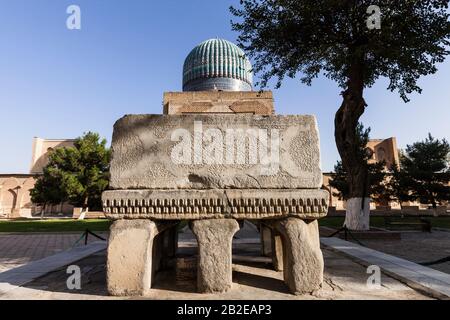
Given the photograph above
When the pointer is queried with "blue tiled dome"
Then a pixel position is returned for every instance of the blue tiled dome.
(217, 64)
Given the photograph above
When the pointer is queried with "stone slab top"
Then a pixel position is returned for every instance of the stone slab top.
(226, 151)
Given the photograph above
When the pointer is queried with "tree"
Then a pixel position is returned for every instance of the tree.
(76, 174)
(339, 182)
(377, 182)
(398, 185)
(337, 39)
(47, 190)
(427, 170)
(375, 179)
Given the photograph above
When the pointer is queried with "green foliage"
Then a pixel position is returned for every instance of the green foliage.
(308, 38)
(376, 171)
(377, 182)
(398, 186)
(425, 172)
(76, 174)
(377, 177)
(339, 182)
(288, 37)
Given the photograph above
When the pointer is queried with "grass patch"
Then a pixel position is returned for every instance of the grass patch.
(440, 222)
(378, 222)
(54, 225)
(337, 222)
(103, 224)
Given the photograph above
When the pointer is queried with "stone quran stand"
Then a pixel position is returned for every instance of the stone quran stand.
(214, 170)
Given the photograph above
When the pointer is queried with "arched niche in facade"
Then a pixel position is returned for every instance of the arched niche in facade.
(9, 195)
(24, 194)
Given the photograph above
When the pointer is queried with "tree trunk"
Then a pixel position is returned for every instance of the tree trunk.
(43, 211)
(84, 209)
(357, 216)
(434, 203)
(348, 145)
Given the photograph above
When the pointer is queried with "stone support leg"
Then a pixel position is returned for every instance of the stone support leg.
(169, 245)
(303, 259)
(272, 245)
(277, 251)
(171, 241)
(131, 251)
(266, 238)
(158, 254)
(214, 237)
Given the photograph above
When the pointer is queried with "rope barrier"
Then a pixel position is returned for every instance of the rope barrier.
(85, 235)
(432, 263)
(346, 231)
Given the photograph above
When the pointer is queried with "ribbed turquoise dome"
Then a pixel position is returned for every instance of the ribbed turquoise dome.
(217, 64)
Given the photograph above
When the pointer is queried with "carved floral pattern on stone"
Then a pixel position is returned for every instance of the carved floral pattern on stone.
(303, 151)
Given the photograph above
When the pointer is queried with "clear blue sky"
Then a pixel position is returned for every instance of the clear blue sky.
(57, 83)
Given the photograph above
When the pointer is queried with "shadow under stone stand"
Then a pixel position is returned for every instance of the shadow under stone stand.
(215, 158)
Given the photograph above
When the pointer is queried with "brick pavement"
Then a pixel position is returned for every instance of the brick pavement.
(19, 249)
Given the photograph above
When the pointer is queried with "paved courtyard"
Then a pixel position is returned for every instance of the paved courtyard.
(253, 279)
(19, 249)
(252, 275)
(417, 247)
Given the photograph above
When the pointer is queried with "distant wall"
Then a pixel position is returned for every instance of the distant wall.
(384, 150)
(15, 199)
